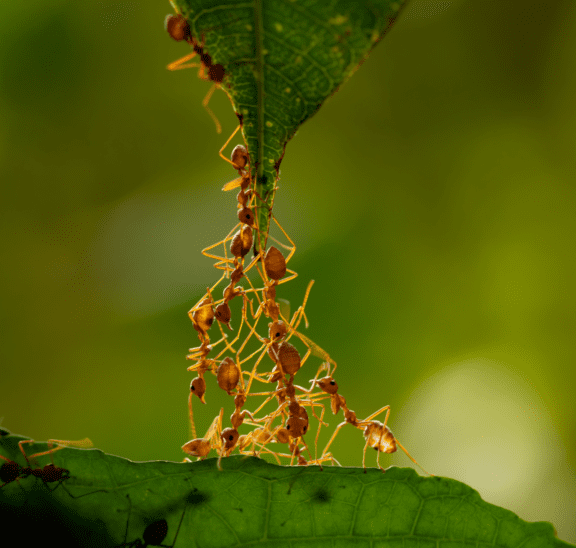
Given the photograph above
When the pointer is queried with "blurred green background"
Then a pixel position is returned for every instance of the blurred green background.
(432, 200)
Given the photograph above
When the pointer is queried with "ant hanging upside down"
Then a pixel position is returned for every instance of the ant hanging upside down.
(179, 29)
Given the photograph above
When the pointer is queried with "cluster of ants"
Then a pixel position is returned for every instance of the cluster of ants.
(289, 422)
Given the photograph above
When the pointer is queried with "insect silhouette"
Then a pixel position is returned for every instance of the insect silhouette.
(154, 534)
(179, 29)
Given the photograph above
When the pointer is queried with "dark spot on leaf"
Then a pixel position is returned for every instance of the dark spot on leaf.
(321, 495)
(196, 498)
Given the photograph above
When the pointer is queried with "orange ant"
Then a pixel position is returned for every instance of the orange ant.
(179, 29)
(222, 440)
(378, 435)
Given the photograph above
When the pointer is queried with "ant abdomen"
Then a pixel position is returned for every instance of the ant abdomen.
(289, 358)
(228, 375)
(275, 264)
(239, 157)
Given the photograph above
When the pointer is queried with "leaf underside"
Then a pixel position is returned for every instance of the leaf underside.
(283, 59)
(254, 503)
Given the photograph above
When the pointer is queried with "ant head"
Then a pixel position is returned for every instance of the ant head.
(177, 27)
(223, 313)
(229, 437)
(277, 330)
(246, 216)
(328, 385)
(198, 387)
(296, 427)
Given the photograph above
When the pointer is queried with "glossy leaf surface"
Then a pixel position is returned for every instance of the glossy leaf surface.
(252, 503)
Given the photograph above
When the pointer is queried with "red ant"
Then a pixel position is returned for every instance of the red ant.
(179, 29)
(11, 471)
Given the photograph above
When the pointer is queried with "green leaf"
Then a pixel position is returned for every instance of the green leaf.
(251, 502)
(283, 59)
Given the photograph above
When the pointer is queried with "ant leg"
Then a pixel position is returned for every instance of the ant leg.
(297, 317)
(371, 417)
(293, 245)
(412, 458)
(253, 262)
(364, 455)
(85, 443)
(253, 372)
(333, 436)
(191, 416)
(320, 423)
(226, 144)
(180, 63)
(205, 105)
(293, 274)
(222, 260)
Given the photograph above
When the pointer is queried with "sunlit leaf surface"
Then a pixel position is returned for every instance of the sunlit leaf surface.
(112, 501)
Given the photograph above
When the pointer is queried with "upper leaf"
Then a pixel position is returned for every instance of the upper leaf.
(282, 59)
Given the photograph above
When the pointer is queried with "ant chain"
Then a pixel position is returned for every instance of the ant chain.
(241, 356)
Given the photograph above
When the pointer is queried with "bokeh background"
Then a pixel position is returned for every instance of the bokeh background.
(432, 200)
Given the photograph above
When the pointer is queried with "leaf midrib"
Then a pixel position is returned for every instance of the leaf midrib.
(260, 84)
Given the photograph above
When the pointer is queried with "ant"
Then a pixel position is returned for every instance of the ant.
(50, 473)
(179, 29)
(378, 435)
(153, 535)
